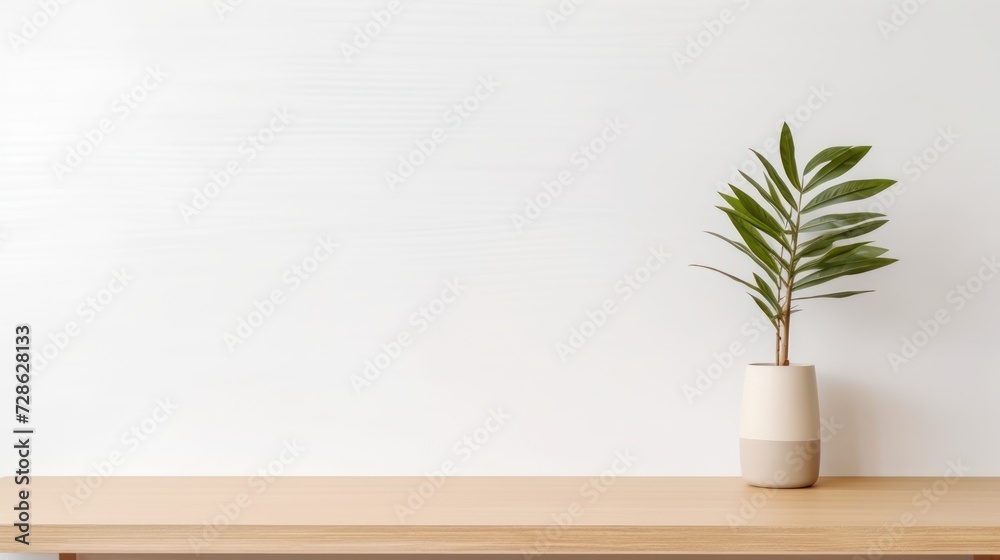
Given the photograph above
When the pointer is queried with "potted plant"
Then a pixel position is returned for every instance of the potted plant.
(788, 231)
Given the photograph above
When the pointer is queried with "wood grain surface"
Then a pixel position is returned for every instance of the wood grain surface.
(506, 515)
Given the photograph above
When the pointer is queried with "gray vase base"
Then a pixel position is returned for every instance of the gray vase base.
(779, 464)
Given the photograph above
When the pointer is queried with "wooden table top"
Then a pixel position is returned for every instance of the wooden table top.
(510, 515)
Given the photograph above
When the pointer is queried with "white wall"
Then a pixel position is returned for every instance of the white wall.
(494, 348)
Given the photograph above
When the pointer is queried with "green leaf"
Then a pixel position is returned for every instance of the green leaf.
(787, 150)
(772, 273)
(837, 166)
(785, 193)
(785, 213)
(730, 276)
(843, 254)
(772, 174)
(847, 192)
(838, 295)
(770, 196)
(845, 250)
(833, 221)
(861, 253)
(756, 242)
(766, 291)
(824, 241)
(743, 215)
(758, 212)
(768, 312)
(827, 274)
(825, 156)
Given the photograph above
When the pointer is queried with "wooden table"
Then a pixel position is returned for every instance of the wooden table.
(523, 516)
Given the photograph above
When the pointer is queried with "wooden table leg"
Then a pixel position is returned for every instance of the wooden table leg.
(976, 557)
(67, 556)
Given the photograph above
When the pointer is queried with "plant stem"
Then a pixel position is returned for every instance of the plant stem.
(786, 313)
(777, 345)
(776, 320)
